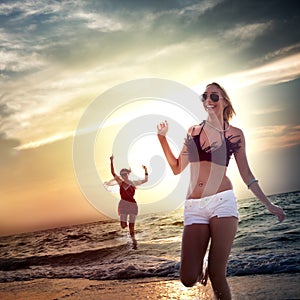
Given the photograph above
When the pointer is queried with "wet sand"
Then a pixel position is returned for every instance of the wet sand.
(264, 287)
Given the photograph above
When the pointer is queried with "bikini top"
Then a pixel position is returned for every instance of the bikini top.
(217, 154)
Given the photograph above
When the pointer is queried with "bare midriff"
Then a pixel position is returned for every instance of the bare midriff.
(207, 179)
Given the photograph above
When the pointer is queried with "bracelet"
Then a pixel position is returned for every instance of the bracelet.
(251, 181)
(146, 174)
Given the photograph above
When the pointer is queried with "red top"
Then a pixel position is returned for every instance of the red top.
(127, 192)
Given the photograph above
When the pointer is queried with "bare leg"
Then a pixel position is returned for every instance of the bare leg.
(123, 224)
(132, 234)
(194, 244)
(123, 220)
(222, 231)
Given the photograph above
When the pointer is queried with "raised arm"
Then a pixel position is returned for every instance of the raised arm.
(177, 164)
(139, 182)
(252, 183)
(112, 170)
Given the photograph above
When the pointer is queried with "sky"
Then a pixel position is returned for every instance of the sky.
(59, 60)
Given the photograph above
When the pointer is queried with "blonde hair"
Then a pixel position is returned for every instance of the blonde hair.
(228, 110)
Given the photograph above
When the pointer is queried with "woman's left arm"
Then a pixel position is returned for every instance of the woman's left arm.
(139, 182)
(251, 182)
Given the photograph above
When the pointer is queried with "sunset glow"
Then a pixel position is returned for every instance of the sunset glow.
(57, 58)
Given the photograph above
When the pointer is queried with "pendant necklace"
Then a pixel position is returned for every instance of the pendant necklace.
(219, 130)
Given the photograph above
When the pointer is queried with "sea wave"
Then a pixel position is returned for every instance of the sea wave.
(101, 251)
(122, 262)
(263, 264)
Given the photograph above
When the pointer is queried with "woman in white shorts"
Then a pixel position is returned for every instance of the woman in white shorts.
(211, 212)
(127, 208)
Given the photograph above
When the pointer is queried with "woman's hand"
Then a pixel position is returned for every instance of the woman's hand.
(162, 128)
(144, 167)
(112, 157)
(277, 211)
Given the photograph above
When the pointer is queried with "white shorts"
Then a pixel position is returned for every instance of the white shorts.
(200, 211)
(125, 209)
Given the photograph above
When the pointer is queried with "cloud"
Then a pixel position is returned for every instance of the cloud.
(4, 111)
(99, 22)
(76, 34)
(14, 61)
(266, 111)
(19, 52)
(276, 136)
(57, 137)
(278, 53)
(55, 57)
(281, 70)
(198, 9)
(245, 34)
(69, 95)
(23, 9)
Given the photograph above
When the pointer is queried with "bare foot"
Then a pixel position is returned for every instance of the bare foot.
(134, 244)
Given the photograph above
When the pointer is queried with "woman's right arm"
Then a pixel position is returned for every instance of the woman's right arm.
(112, 170)
(177, 164)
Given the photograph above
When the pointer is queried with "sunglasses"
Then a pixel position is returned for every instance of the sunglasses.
(124, 174)
(213, 97)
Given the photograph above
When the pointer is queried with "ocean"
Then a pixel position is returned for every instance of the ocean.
(103, 251)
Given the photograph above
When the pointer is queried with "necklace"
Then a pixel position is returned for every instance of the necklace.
(219, 130)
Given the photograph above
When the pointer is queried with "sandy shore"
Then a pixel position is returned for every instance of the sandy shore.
(286, 286)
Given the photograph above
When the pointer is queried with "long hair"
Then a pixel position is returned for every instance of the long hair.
(228, 110)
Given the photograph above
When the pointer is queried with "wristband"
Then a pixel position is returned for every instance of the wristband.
(251, 182)
(146, 173)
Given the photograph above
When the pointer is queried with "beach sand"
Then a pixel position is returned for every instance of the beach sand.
(283, 286)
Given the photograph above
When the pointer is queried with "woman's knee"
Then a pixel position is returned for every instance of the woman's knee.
(123, 224)
(188, 280)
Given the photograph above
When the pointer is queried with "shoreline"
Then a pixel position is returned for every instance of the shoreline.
(277, 286)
